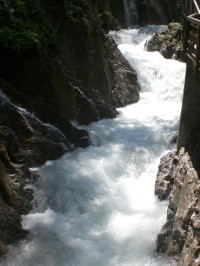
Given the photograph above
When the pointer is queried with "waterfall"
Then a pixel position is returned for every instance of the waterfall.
(96, 206)
(130, 11)
(42, 130)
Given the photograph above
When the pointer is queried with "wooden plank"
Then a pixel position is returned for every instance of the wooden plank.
(195, 21)
(197, 55)
(191, 49)
(196, 6)
(194, 30)
(190, 57)
(187, 6)
(193, 36)
(192, 33)
(186, 34)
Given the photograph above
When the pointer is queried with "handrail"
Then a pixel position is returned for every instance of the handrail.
(196, 6)
(191, 6)
(194, 20)
(192, 34)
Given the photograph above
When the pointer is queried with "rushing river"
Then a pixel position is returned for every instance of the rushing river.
(96, 206)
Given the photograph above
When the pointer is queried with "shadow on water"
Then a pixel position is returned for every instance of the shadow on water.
(120, 146)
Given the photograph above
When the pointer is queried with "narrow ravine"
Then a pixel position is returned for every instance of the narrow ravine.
(96, 206)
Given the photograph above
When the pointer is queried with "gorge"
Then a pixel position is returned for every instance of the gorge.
(61, 71)
(96, 206)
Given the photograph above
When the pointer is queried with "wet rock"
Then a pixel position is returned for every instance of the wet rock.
(25, 137)
(25, 141)
(180, 236)
(13, 203)
(125, 89)
(165, 176)
(11, 228)
(168, 41)
(43, 91)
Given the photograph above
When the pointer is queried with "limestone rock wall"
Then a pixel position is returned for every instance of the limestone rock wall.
(178, 179)
(24, 142)
(178, 173)
(82, 77)
(74, 80)
(147, 12)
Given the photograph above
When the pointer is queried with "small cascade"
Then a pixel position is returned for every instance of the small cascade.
(44, 141)
(87, 103)
(4, 99)
(46, 131)
(38, 140)
(130, 12)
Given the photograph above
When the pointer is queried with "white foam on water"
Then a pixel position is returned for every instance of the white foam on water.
(96, 206)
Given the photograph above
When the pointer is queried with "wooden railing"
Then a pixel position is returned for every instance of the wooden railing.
(192, 34)
(192, 6)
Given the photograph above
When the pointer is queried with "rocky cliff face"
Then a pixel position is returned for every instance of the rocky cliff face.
(178, 172)
(136, 12)
(75, 76)
(24, 142)
(57, 66)
(178, 178)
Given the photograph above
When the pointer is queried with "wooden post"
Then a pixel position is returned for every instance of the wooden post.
(187, 7)
(186, 35)
(197, 63)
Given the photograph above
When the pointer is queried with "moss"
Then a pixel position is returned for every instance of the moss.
(23, 28)
(174, 33)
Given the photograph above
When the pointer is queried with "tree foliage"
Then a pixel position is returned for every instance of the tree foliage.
(22, 26)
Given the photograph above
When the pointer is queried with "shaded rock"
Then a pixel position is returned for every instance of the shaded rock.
(76, 79)
(11, 228)
(43, 91)
(13, 203)
(3, 249)
(179, 236)
(143, 12)
(125, 89)
(25, 141)
(25, 136)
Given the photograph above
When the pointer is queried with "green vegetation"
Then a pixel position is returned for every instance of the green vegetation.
(106, 19)
(77, 11)
(23, 28)
(175, 31)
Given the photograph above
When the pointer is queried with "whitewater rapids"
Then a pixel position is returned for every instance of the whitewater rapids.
(96, 206)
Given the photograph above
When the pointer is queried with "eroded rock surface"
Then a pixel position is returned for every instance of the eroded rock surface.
(125, 89)
(168, 41)
(179, 236)
(45, 86)
(25, 142)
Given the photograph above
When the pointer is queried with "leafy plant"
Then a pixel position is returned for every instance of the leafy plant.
(107, 20)
(22, 27)
(175, 31)
(77, 10)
